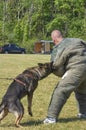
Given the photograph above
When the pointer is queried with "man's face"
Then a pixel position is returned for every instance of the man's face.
(54, 39)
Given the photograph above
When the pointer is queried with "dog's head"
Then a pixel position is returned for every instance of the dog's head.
(44, 69)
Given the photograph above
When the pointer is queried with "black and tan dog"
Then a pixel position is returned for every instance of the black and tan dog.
(24, 84)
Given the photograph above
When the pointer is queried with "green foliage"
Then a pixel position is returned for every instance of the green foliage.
(26, 32)
(29, 45)
(60, 21)
(18, 32)
(22, 20)
(0, 30)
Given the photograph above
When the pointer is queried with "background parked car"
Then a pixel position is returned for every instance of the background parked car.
(12, 48)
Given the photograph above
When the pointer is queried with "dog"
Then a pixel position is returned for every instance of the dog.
(24, 84)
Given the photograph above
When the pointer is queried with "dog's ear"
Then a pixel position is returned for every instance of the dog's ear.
(40, 64)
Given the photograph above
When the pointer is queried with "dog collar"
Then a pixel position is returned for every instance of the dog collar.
(39, 74)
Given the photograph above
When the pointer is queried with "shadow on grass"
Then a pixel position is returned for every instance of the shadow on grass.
(73, 119)
(61, 120)
(39, 122)
(32, 123)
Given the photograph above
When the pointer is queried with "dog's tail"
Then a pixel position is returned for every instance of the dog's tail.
(2, 106)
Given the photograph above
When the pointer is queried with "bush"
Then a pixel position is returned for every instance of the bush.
(29, 45)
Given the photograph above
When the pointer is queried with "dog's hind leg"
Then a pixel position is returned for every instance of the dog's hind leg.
(3, 114)
(18, 119)
(17, 109)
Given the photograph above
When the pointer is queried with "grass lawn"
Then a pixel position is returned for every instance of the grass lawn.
(10, 66)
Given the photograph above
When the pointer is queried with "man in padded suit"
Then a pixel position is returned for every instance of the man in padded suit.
(69, 62)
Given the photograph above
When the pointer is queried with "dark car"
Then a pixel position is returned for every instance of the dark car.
(12, 48)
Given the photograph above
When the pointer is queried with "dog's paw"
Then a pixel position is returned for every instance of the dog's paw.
(30, 113)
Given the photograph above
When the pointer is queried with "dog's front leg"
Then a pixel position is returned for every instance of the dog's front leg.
(30, 96)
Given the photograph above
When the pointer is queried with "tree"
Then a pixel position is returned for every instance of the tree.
(22, 20)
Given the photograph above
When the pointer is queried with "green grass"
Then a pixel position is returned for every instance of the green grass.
(12, 65)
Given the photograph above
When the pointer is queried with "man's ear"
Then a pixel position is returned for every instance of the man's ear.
(40, 64)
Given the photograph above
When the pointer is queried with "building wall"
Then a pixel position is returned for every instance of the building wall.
(42, 47)
(37, 47)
